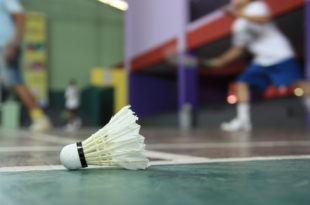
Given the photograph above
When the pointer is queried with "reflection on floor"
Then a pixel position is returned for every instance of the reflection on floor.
(187, 167)
(23, 148)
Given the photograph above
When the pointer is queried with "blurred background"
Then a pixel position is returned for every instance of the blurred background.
(84, 60)
(118, 56)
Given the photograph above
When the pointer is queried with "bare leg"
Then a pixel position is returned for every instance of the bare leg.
(243, 92)
(26, 97)
(39, 121)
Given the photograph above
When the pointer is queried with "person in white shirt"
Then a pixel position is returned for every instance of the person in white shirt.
(274, 59)
(11, 31)
(72, 96)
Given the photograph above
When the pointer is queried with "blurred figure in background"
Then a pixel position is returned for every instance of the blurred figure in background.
(274, 59)
(11, 32)
(72, 96)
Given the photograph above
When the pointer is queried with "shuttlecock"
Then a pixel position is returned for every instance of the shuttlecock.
(117, 144)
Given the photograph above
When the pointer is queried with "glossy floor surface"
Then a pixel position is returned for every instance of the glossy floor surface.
(187, 167)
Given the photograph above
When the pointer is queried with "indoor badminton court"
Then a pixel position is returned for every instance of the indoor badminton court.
(221, 90)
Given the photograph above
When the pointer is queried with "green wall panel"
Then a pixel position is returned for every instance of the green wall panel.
(82, 34)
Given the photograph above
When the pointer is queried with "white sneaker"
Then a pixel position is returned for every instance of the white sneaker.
(41, 124)
(236, 125)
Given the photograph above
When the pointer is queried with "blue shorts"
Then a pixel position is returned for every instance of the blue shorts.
(15, 77)
(284, 73)
(13, 73)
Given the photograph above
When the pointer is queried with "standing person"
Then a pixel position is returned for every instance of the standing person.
(72, 96)
(274, 59)
(11, 31)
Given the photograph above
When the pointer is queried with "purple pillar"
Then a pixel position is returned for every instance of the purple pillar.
(187, 78)
(148, 94)
(188, 95)
(151, 95)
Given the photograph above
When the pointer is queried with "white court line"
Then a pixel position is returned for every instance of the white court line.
(157, 163)
(149, 154)
(168, 158)
(66, 140)
(172, 157)
(53, 138)
(211, 145)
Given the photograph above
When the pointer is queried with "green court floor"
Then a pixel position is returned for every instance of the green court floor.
(277, 182)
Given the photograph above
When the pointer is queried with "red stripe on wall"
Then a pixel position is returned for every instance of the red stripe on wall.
(279, 7)
(207, 33)
(212, 31)
(154, 55)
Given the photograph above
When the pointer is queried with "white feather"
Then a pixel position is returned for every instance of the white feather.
(118, 143)
(133, 161)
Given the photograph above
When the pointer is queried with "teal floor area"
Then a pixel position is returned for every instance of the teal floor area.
(276, 182)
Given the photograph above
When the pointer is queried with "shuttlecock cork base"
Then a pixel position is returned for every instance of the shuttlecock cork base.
(117, 144)
(72, 156)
